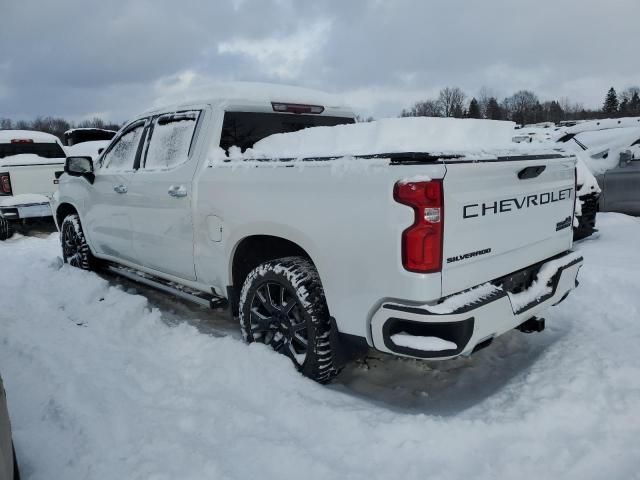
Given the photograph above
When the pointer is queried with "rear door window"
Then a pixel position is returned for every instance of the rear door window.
(244, 129)
(122, 154)
(170, 140)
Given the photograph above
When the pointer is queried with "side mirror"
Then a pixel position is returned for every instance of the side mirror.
(626, 157)
(80, 167)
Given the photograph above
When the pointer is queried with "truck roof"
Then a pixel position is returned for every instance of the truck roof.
(259, 95)
(40, 137)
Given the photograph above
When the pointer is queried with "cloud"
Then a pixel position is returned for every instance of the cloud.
(73, 57)
(281, 57)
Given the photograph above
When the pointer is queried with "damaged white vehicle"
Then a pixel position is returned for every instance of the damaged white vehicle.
(425, 238)
(28, 162)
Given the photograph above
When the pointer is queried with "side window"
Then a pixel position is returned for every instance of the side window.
(123, 153)
(170, 140)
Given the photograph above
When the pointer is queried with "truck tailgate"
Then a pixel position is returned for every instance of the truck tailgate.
(504, 215)
(33, 178)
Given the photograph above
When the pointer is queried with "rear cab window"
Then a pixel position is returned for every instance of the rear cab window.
(44, 150)
(244, 129)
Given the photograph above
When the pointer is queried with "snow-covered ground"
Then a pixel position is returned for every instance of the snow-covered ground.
(107, 383)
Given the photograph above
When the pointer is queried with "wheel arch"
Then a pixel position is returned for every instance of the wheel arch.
(63, 210)
(251, 251)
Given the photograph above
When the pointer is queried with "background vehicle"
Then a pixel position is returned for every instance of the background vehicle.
(8, 463)
(75, 136)
(28, 162)
(325, 255)
(91, 149)
(611, 150)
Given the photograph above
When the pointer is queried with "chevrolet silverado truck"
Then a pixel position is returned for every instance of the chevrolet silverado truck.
(28, 162)
(324, 247)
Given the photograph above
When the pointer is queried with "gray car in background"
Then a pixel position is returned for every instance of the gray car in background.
(8, 464)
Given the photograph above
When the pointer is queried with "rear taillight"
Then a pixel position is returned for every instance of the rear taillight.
(5, 184)
(422, 241)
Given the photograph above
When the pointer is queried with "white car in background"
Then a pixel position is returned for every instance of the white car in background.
(91, 149)
(28, 162)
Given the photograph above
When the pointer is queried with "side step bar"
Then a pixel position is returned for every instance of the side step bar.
(201, 298)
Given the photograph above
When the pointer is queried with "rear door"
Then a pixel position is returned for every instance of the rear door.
(501, 216)
(107, 214)
(160, 195)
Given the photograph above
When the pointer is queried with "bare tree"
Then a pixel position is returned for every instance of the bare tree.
(452, 101)
(485, 94)
(523, 106)
(426, 108)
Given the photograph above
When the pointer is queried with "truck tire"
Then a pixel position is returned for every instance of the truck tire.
(6, 229)
(282, 304)
(75, 250)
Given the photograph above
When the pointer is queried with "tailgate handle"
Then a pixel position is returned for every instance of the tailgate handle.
(531, 172)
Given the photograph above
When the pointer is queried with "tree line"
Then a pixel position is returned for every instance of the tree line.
(55, 126)
(523, 107)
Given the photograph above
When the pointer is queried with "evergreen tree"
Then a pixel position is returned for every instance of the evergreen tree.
(494, 112)
(611, 102)
(474, 109)
(556, 113)
(634, 104)
(624, 107)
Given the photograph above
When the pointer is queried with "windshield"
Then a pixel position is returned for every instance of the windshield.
(243, 129)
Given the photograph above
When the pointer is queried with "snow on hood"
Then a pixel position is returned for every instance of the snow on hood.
(29, 159)
(468, 137)
(606, 123)
(85, 149)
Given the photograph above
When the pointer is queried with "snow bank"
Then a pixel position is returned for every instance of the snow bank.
(104, 383)
(393, 135)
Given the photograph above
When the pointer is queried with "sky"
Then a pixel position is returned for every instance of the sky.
(83, 58)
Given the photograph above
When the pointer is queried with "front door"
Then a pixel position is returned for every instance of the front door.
(160, 196)
(107, 216)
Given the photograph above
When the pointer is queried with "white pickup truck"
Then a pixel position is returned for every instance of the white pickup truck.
(28, 162)
(328, 241)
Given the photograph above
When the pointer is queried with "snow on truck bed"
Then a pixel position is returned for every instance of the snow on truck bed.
(467, 137)
(104, 383)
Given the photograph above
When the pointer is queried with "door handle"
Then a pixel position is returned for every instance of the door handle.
(120, 189)
(177, 191)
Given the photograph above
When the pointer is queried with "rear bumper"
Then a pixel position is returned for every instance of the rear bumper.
(472, 319)
(30, 210)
